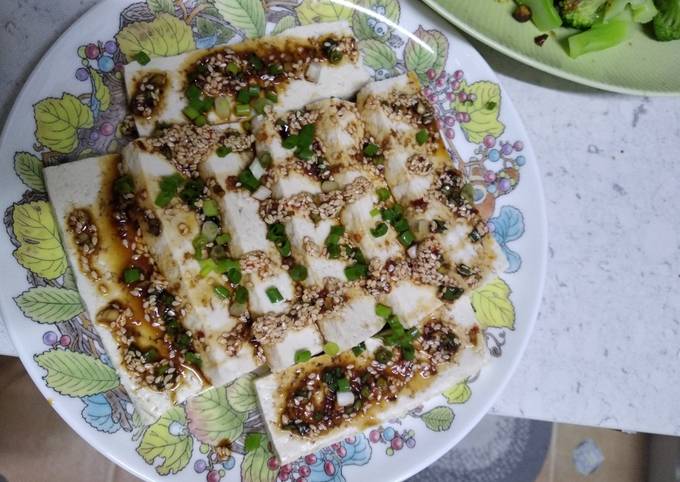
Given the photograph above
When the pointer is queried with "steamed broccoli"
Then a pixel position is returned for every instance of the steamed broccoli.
(667, 21)
(581, 14)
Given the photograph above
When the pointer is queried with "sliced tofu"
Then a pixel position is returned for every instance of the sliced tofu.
(288, 446)
(340, 130)
(353, 322)
(259, 301)
(80, 184)
(340, 80)
(412, 302)
(281, 354)
(173, 250)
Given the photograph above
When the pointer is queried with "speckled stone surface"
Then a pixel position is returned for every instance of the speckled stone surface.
(606, 350)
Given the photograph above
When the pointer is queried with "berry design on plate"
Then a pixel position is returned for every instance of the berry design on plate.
(393, 439)
(326, 465)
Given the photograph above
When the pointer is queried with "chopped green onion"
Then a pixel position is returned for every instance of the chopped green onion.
(249, 181)
(306, 135)
(225, 265)
(132, 275)
(207, 266)
(243, 97)
(256, 62)
(379, 230)
(335, 56)
(356, 271)
(371, 149)
(464, 270)
(452, 293)
(383, 311)
(191, 112)
(210, 230)
(406, 238)
(240, 295)
(333, 251)
(383, 355)
(302, 356)
(259, 105)
(276, 231)
(233, 68)
(298, 273)
(141, 57)
(375, 212)
(401, 225)
(242, 110)
(339, 230)
(422, 136)
(383, 193)
(343, 385)
(304, 153)
(379, 159)
(193, 92)
(199, 242)
(223, 151)
(331, 348)
(271, 96)
(408, 352)
(283, 245)
(222, 107)
(124, 185)
(221, 291)
(265, 159)
(222, 239)
(191, 191)
(193, 358)
(275, 69)
(254, 441)
(359, 349)
(290, 142)
(163, 198)
(201, 120)
(274, 294)
(253, 91)
(234, 276)
(210, 207)
(151, 355)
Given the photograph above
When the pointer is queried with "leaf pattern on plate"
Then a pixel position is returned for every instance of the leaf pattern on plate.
(76, 374)
(241, 394)
(459, 393)
(212, 419)
(370, 27)
(378, 55)
(49, 304)
(484, 110)
(493, 307)
(284, 24)
(254, 467)
(432, 56)
(58, 120)
(167, 439)
(246, 15)
(164, 36)
(438, 419)
(30, 170)
(313, 11)
(40, 249)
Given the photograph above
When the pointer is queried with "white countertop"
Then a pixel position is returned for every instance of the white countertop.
(606, 350)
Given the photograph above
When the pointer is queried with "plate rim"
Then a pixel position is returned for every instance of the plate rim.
(537, 64)
(452, 439)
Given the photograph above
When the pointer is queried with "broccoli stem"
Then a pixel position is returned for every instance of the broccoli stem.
(644, 12)
(600, 37)
(543, 13)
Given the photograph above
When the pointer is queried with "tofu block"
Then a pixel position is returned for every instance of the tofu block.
(259, 301)
(80, 184)
(469, 359)
(321, 80)
(353, 322)
(412, 302)
(281, 355)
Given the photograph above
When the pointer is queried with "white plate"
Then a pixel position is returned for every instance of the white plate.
(70, 107)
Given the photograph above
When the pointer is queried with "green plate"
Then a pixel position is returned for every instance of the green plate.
(639, 66)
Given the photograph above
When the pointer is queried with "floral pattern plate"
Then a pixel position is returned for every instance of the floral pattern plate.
(72, 106)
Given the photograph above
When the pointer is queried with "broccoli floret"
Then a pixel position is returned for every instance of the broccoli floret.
(667, 21)
(581, 14)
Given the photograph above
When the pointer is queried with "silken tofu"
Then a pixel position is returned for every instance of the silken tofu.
(158, 90)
